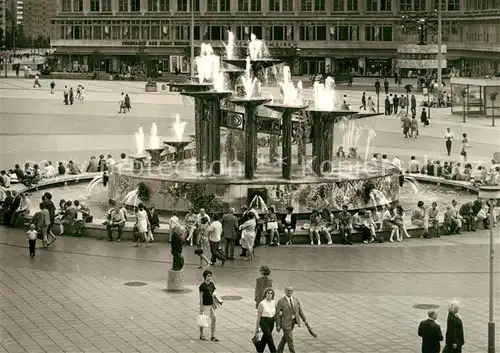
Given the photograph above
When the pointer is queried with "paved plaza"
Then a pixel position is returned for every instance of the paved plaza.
(35, 125)
(72, 298)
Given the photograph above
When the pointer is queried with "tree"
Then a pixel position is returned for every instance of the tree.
(493, 98)
(143, 58)
(95, 60)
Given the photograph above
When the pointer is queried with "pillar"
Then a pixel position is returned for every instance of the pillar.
(198, 109)
(328, 129)
(215, 137)
(317, 141)
(114, 6)
(286, 147)
(250, 141)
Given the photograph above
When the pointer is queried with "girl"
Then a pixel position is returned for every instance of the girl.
(142, 225)
(315, 227)
(289, 223)
(203, 250)
(32, 234)
(399, 220)
(272, 227)
(465, 145)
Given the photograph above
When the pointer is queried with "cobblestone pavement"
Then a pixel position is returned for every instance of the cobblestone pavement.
(72, 297)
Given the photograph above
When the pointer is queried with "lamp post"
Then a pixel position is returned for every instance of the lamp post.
(492, 194)
(191, 37)
(439, 53)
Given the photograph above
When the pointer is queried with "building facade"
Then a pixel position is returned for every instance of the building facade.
(325, 35)
(38, 16)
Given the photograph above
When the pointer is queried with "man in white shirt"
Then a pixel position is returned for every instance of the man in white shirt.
(50, 171)
(397, 162)
(214, 237)
(202, 214)
(413, 166)
(110, 161)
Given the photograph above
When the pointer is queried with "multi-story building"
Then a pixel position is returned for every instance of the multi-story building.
(326, 35)
(18, 11)
(38, 17)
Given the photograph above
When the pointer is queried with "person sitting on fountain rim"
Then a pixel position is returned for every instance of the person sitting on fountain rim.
(327, 225)
(467, 213)
(363, 222)
(434, 218)
(418, 218)
(450, 222)
(345, 226)
(116, 218)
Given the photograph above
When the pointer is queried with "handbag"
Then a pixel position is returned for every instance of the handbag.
(202, 320)
(256, 342)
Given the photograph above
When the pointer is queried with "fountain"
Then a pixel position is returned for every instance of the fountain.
(155, 150)
(139, 158)
(340, 181)
(178, 142)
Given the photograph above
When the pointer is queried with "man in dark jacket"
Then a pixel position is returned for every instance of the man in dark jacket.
(230, 232)
(176, 248)
(454, 330)
(431, 333)
(387, 105)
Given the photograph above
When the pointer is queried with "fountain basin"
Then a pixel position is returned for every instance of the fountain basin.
(208, 95)
(249, 101)
(191, 86)
(350, 182)
(281, 107)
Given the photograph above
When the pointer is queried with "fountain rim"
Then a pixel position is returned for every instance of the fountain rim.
(282, 106)
(242, 101)
(208, 94)
(166, 141)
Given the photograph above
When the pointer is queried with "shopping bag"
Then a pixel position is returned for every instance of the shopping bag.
(217, 300)
(202, 320)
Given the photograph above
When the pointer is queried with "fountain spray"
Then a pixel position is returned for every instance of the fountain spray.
(139, 142)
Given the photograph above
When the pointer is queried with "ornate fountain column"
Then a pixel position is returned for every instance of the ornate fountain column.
(286, 117)
(250, 106)
(198, 121)
(317, 140)
(211, 123)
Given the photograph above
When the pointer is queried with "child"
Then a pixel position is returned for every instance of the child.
(32, 234)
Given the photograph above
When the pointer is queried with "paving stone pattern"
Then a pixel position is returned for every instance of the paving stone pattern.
(359, 299)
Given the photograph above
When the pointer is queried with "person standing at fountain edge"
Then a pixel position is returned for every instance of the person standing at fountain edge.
(229, 232)
(176, 241)
(288, 314)
(431, 333)
(448, 140)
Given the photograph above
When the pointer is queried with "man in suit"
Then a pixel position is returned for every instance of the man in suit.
(454, 330)
(431, 333)
(230, 232)
(288, 314)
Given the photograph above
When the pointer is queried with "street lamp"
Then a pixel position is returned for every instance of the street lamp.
(492, 194)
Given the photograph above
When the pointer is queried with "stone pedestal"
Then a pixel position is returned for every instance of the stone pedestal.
(175, 280)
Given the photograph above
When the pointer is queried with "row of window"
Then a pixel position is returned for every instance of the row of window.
(274, 5)
(160, 30)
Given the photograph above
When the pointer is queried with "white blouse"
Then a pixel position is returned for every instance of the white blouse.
(268, 308)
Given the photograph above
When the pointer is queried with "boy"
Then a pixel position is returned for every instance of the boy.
(32, 235)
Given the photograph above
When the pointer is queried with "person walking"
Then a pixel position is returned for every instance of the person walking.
(363, 101)
(448, 140)
(386, 86)
(406, 122)
(414, 126)
(288, 315)
(266, 311)
(207, 303)
(215, 237)
(229, 233)
(248, 236)
(431, 333)
(262, 283)
(465, 145)
(454, 330)
(413, 104)
(32, 235)
(387, 105)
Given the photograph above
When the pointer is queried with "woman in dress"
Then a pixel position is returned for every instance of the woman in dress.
(248, 235)
(399, 221)
(289, 223)
(272, 227)
(142, 225)
(266, 311)
(262, 283)
(465, 146)
(203, 250)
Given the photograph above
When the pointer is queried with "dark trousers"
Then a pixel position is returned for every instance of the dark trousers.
(216, 254)
(178, 260)
(105, 180)
(229, 251)
(365, 231)
(287, 339)
(448, 349)
(448, 146)
(117, 225)
(470, 223)
(387, 110)
(32, 246)
(267, 327)
(345, 233)
(258, 234)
